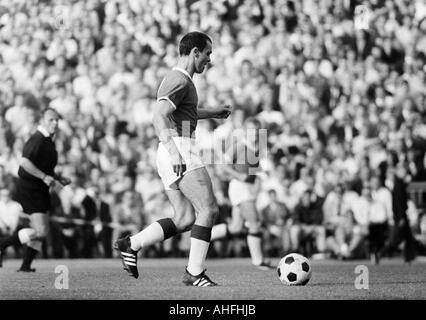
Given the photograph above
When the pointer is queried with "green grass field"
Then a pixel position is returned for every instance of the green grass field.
(160, 279)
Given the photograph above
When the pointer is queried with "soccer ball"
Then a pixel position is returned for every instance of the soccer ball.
(294, 270)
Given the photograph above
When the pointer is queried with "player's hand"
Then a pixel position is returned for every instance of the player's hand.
(64, 181)
(179, 165)
(49, 181)
(223, 112)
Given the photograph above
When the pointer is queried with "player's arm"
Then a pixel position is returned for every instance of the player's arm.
(165, 132)
(221, 112)
(31, 168)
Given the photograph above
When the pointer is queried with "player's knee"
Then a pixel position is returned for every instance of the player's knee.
(40, 233)
(185, 222)
(214, 212)
(235, 228)
(210, 212)
(254, 227)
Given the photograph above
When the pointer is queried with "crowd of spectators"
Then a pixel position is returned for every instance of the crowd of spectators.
(341, 92)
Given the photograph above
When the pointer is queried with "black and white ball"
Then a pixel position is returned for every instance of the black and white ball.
(294, 270)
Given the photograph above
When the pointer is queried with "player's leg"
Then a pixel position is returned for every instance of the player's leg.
(254, 237)
(23, 236)
(6, 242)
(33, 239)
(234, 227)
(238, 192)
(166, 228)
(157, 231)
(197, 188)
(36, 203)
(28, 237)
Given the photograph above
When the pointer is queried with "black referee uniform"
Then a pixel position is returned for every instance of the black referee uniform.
(31, 190)
(32, 193)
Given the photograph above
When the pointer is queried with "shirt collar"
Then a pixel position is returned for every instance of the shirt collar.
(43, 131)
(183, 71)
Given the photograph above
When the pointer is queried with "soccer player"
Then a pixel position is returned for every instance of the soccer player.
(242, 193)
(36, 175)
(185, 178)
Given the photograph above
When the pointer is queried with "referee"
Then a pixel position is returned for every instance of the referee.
(36, 175)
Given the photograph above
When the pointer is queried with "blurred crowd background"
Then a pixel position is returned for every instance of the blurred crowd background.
(341, 91)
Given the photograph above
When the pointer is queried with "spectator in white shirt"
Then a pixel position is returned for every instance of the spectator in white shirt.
(383, 195)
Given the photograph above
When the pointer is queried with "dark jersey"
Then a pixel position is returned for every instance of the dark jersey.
(177, 88)
(41, 151)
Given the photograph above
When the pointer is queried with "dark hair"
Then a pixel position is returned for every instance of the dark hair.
(192, 40)
(49, 109)
(272, 191)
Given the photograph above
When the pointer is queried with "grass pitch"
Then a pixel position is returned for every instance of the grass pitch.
(160, 279)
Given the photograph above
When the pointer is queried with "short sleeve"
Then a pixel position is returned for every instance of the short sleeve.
(31, 149)
(173, 89)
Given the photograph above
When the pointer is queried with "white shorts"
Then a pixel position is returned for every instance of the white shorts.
(240, 192)
(190, 154)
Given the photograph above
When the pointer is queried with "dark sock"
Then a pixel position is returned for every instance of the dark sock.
(169, 227)
(29, 254)
(9, 241)
(201, 233)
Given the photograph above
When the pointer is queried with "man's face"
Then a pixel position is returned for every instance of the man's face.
(203, 58)
(50, 122)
